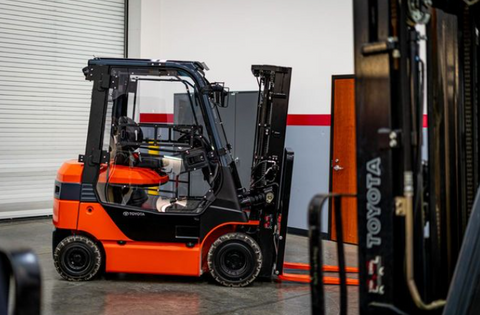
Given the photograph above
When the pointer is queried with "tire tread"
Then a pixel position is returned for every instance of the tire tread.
(87, 241)
(238, 237)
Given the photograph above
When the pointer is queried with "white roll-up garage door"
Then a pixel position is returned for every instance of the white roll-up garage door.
(44, 99)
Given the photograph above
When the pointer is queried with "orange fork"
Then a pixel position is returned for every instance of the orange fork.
(306, 278)
(326, 268)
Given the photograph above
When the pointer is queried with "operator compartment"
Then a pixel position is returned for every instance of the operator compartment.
(159, 157)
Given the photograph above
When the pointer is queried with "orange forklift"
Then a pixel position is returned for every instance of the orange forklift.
(166, 197)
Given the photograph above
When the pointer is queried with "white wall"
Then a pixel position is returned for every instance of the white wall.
(313, 37)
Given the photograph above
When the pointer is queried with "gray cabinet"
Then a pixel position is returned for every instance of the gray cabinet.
(245, 118)
(239, 123)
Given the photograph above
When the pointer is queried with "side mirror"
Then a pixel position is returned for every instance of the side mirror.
(219, 94)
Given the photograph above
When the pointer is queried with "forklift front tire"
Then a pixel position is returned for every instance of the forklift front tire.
(235, 260)
(77, 258)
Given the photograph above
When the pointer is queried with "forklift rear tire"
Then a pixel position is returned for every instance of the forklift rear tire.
(235, 260)
(77, 258)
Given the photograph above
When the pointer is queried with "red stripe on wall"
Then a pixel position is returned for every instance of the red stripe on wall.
(292, 119)
(156, 118)
(308, 120)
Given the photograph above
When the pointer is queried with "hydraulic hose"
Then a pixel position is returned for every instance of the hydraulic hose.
(409, 253)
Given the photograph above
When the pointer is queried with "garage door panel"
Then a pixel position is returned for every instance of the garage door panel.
(106, 6)
(59, 10)
(51, 36)
(51, 69)
(21, 9)
(44, 98)
(50, 47)
(39, 74)
(54, 32)
(47, 109)
(20, 208)
(32, 22)
(54, 56)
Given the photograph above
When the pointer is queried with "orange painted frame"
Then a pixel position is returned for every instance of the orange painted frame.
(122, 254)
(65, 213)
(147, 257)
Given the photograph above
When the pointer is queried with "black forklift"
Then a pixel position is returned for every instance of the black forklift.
(418, 189)
(165, 197)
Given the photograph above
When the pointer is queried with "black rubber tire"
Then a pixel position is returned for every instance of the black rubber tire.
(234, 260)
(77, 258)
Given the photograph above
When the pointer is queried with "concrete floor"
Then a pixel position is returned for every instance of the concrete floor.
(149, 294)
